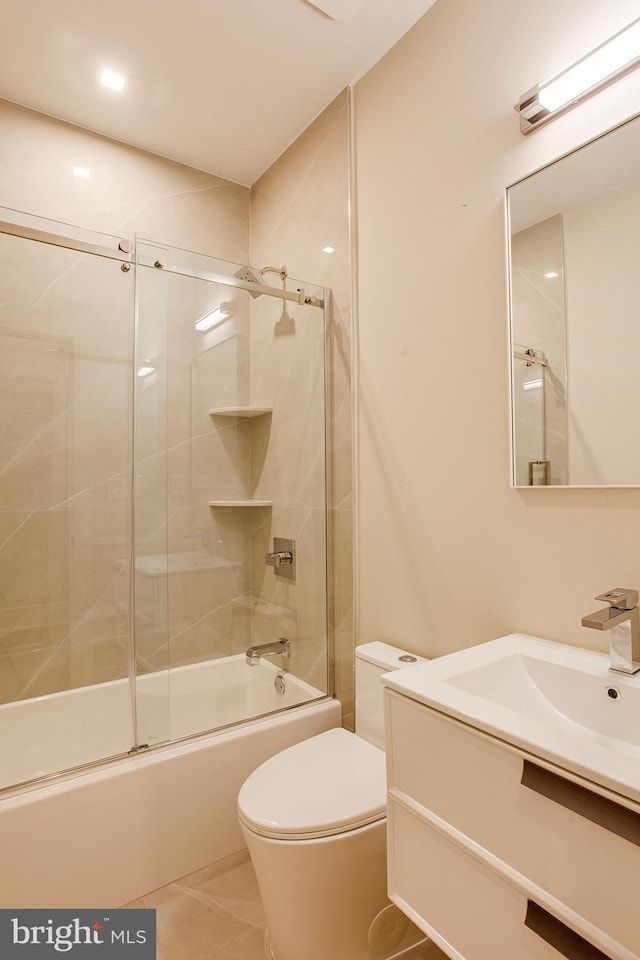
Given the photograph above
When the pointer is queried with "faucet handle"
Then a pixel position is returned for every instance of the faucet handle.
(620, 598)
(278, 558)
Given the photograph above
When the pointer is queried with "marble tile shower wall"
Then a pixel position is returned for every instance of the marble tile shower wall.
(65, 323)
(62, 388)
(298, 207)
(64, 520)
(207, 371)
(287, 374)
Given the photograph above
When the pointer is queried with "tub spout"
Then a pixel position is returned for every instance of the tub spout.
(279, 648)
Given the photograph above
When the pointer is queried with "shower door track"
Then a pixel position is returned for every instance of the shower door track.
(29, 227)
(15, 223)
(256, 289)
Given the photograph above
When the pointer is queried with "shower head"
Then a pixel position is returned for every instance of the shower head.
(250, 276)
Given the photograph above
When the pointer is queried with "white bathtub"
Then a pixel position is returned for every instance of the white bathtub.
(112, 834)
(46, 735)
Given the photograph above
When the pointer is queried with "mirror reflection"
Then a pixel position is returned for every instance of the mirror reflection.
(574, 231)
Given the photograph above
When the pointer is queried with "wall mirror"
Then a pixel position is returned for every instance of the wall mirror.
(574, 265)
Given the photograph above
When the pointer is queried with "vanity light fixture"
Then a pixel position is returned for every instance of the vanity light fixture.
(115, 81)
(609, 61)
(213, 317)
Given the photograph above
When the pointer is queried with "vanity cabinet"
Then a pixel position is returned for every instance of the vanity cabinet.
(497, 854)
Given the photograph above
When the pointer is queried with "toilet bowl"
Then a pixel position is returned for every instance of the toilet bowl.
(314, 821)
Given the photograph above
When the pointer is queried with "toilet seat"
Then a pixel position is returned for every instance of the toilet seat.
(325, 786)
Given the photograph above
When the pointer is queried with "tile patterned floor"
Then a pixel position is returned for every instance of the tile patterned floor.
(216, 914)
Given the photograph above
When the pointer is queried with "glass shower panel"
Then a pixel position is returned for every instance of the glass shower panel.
(287, 373)
(245, 462)
(150, 524)
(65, 463)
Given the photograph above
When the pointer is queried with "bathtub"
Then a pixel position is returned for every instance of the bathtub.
(108, 835)
(46, 735)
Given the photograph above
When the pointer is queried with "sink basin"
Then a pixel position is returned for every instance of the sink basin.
(555, 701)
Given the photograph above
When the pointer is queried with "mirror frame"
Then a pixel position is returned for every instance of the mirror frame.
(511, 340)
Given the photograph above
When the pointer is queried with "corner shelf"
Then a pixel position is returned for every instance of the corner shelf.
(240, 503)
(241, 413)
(245, 412)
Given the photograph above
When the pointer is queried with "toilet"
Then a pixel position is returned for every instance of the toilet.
(314, 820)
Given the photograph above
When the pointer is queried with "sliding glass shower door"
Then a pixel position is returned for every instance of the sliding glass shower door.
(239, 363)
(162, 496)
(66, 323)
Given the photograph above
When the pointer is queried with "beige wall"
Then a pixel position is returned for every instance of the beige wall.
(602, 252)
(448, 554)
(129, 191)
(299, 206)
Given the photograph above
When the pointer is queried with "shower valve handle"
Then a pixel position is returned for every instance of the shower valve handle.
(279, 559)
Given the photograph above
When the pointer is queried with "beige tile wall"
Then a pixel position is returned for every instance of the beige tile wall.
(287, 375)
(66, 327)
(66, 399)
(299, 206)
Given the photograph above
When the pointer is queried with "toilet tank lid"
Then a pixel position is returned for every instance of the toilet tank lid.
(321, 787)
(385, 655)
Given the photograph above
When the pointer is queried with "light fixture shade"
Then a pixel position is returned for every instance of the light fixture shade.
(609, 61)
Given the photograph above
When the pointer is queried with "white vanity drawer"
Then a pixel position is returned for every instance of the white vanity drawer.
(467, 908)
(473, 783)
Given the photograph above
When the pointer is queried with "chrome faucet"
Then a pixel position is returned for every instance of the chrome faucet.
(622, 618)
(279, 647)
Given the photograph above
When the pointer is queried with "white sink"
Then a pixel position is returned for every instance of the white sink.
(557, 702)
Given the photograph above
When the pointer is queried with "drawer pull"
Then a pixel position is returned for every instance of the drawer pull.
(606, 813)
(570, 944)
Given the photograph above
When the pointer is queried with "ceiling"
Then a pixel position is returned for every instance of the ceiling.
(221, 85)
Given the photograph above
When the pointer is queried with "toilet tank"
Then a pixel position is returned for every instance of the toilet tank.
(372, 660)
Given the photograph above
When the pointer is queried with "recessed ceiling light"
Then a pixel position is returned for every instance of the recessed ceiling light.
(83, 172)
(115, 81)
(328, 249)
